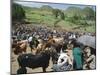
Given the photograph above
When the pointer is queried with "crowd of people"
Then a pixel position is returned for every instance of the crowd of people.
(74, 57)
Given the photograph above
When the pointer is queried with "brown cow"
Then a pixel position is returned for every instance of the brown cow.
(20, 47)
(55, 42)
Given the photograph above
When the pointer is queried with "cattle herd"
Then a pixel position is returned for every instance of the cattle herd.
(44, 43)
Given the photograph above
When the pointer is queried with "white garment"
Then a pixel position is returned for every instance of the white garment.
(30, 39)
(93, 62)
(72, 36)
(65, 58)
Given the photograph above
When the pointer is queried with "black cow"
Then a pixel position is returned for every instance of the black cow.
(33, 61)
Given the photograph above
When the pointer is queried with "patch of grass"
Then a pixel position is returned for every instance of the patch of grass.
(90, 29)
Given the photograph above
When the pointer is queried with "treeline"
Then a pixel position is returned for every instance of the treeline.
(18, 13)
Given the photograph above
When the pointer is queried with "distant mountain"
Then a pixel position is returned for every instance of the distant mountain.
(30, 8)
(71, 11)
(46, 7)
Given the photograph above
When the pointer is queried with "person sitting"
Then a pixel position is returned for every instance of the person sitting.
(63, 64)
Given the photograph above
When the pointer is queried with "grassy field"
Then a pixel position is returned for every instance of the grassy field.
(46, 18)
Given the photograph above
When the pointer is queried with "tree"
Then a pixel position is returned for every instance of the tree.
(62, 15)
(89, 13)
(55, 12)
(18, 12)
(58, 13)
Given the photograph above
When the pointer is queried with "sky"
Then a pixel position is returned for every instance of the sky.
(53, 5)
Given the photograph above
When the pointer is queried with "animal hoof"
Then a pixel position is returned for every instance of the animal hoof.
(22, 71)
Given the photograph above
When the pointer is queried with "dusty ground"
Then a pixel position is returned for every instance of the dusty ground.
(14, 65)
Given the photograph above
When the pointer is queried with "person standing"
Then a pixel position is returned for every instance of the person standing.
(77, 53)
(89, 59)
(69, 52)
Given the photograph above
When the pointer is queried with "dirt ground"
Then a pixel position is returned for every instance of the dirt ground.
(14, 65)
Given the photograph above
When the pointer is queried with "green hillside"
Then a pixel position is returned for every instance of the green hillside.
(74, 18)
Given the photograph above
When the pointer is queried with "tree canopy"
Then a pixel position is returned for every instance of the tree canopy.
(18, 12)
(58, 13)
(89, 13)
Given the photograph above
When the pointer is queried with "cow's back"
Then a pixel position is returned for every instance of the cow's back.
(33, 61)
